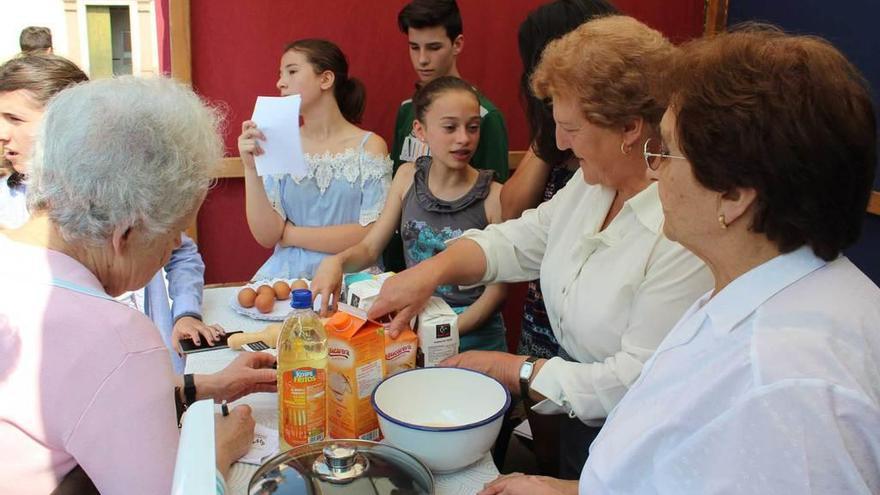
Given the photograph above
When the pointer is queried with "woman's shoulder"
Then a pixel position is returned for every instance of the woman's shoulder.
(359, 157)
(355, 145)
(360, 140)
(406, 170)
(403, 179)
(374, 144)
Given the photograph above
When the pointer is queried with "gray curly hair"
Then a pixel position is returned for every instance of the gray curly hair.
(119, 153)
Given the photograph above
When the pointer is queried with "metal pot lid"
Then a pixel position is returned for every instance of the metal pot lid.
(342, 467)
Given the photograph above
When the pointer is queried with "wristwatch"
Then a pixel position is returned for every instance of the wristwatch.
(189, 390)
(525, 375)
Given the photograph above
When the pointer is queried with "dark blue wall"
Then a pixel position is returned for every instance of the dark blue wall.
(852, 26)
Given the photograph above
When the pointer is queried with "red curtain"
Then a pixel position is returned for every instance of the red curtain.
(236, 47)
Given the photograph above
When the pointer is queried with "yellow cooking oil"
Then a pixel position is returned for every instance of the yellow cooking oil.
(302, 375)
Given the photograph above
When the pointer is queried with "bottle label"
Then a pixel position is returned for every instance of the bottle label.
(303, 406)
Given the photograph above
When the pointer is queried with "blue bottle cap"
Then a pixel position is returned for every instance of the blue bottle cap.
(301, 299)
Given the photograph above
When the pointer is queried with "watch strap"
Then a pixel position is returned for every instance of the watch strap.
(189, 389)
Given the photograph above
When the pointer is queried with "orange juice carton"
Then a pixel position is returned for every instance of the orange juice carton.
(438, 333)
(356, 364)
(400, 353)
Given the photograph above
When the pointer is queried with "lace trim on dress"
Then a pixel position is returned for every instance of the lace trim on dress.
(370, 214)
(350, 165)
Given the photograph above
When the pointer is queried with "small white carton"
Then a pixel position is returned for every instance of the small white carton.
(438, 333)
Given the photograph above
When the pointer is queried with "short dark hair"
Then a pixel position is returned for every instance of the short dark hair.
(426, 95)
(543, 25)
(421, 14)
(788, 116)
(350, 92)
(35, 38)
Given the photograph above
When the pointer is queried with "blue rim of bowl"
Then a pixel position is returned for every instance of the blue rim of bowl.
(468, 426)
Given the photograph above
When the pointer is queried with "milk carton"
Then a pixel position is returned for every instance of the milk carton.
(356, 364)
(363, 293)
(438, 333)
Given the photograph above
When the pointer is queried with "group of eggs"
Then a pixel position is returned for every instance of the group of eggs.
(264, 297)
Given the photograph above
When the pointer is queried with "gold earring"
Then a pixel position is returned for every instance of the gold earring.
(723, 222)
(624, 148)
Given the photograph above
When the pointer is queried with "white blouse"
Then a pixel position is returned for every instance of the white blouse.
(611, 295)
(772, 386)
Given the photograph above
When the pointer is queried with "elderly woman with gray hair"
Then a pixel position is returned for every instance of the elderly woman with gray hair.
(120, 168)
(173, 297)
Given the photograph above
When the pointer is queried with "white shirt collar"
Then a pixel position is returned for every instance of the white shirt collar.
(748, 291)
(646, 206)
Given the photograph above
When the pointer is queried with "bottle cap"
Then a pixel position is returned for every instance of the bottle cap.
(301, 299)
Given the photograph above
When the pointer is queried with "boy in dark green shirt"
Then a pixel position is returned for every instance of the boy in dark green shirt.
(434, 30)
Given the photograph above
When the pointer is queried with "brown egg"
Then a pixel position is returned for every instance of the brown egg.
(265, 289)
(246, 297)
(282, 290)
(299, 284)
(265, 302)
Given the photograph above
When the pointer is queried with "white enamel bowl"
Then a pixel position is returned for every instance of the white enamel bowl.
(447, 417)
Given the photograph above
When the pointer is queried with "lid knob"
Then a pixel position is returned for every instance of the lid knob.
(340, 464)
(340, 457)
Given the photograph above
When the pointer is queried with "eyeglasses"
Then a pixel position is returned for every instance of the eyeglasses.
(655, 154)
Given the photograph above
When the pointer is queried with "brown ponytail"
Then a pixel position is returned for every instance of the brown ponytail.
(350, 92)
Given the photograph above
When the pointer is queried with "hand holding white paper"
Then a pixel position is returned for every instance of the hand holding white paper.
(196, 468)
(277, 117)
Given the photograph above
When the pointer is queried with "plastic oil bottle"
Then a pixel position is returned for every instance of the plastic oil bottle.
(302, 375)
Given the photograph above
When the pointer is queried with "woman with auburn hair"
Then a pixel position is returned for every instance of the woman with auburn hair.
(769, 383)
(613, 284)
(543, 171)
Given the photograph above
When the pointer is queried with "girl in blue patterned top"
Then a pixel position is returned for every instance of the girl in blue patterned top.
(349, 172)
(434, 201)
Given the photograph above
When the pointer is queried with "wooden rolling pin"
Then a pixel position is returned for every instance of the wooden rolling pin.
(268, 336)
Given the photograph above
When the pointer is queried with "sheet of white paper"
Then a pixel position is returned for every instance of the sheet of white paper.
(195, 470)
(265, 444)
(278, 118)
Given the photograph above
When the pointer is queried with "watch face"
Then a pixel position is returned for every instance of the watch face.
(525, 371)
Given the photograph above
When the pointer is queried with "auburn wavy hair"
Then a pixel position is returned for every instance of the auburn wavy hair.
(609, 65)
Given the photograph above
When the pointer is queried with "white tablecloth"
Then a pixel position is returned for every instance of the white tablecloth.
(216, 309)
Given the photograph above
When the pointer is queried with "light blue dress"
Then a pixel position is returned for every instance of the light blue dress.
(341, 188)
